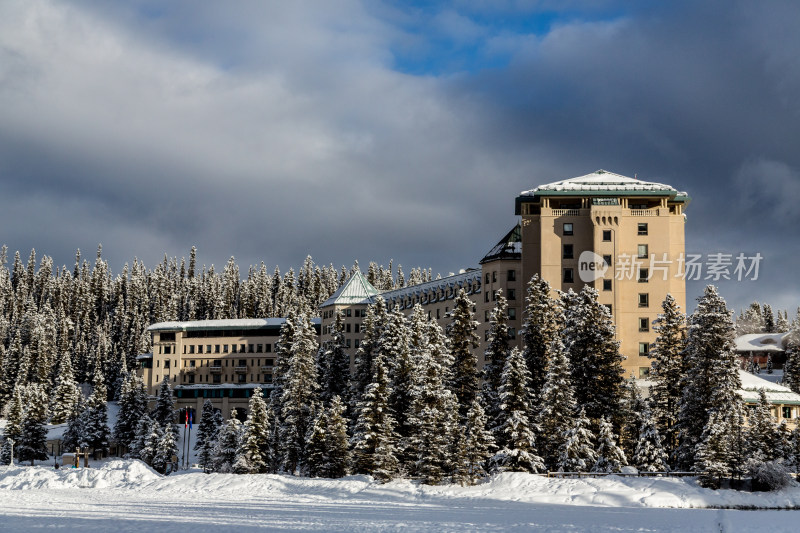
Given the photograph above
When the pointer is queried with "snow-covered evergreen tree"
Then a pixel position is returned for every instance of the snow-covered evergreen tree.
(496, 354)
(710, 380)
(667, 370)
(478, 444)
(578, 452)
(557, 406)
(650, 455)
(374, 437)
(142, 432)
(633, 407)
(769, 319)
(299, 393)
(132, 408)
(395, 350)
(66, 393)
(32, 443)
(751, 321)
(207, 431)
(763, 436)
(328, 453)
(594, 357)
(791, 368)
(463, 339)
(372, 327)
(164, 410)
(96, 431)
(610, 457)
(334, 363)
(166, 449)
(515, 434)
(543, 319)
(151, 441)
(14, 415)
(227, 444)
(254, 454)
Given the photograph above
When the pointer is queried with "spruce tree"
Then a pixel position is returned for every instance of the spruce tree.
(132, 408)
(150, 444)
(395, 350)
(463, 339)
(253, 454)
(334, 364)
(557, 407)
(478, 443)
(300, 390)
(791, 368)
(32, 443)
(711, 378)
(578, 452)
(227, 445)
(496, 354)
(164, 410)
(372, 327)
(166, 449)
(667, 370)
(514, 433)
(763, 435)
(142, 432)
(769, 319)
(374, 437)
(543, 319)
(328, 454)
(594, 356)
(66, 393)
(15, 412)
(650, 455)
(610, 457)
(207, 431)
(96, 430)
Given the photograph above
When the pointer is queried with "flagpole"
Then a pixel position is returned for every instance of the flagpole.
(189, 440)
(185, 424)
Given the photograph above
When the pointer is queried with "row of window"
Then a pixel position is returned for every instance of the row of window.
(192, 363)
(569, 229)
(190, 379)
(511, 294)
(223, 348)
(568, 252)
(512, 314)
(512, 334)
(569, 277)
(346, 313)
(511, 275)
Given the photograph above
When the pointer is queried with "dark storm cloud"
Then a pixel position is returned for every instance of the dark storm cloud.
(269, 132)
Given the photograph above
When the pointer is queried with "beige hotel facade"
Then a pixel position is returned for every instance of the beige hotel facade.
(621, 235)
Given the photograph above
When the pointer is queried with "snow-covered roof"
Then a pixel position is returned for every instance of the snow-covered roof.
(469, 279)
(776, 394)
(356, 290)
(761, 342)
(144, 356)
(603, 181)
(238, 323)
(200, 386)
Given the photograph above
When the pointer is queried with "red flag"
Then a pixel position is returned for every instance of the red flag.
(186, 423)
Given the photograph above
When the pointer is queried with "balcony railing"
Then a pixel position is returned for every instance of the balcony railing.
(644, 212)
(566, 212)
(241, 369)
(215, 369)
(266, 368)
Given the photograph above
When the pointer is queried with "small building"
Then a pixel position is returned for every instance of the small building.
(785, 403)
(759, 347)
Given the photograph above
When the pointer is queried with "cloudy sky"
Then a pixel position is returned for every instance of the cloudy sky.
(377, 130)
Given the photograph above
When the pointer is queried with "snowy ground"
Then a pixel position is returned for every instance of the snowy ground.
(119, 495)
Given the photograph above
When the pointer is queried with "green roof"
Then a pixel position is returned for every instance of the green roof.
(356, 290)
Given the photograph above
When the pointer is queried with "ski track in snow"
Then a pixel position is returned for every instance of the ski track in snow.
(119, 495)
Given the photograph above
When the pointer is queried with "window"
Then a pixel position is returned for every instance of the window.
(191, 378)
(347, 343)
(512, 294)
(242, 378)
(494, 296)
(644, 275)
(607, 235)
(166, 363)
(512, 313)
(347, 328)
(568, 228)
(192, 363)
(233, 348)
(216, 348)
(357, 327)
(242, 348)
(644, 324)
(348, 312)
(224, 348)
(267, 347)
(642, 251)
(786, 412)
(494, 276)
(644, 371)
(569, 276)
(487, 277)
(512, 333)
(242, 362)
(486, 316)
(357, 343)
(567, 252)
(606, 284)
(512, 275)
(191, 348)
(641, 228)
(259, 348)
(216, 378)
(607, 260)
(486, 295)
(644, 299)
(644, 349)
(486, 335)
(357, 313)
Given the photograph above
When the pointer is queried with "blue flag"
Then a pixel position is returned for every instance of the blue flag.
(190, 419)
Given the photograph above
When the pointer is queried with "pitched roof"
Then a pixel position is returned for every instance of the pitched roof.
(356, 290)
(776, 394)
(603, 181)
(236, 323)
(509, 247)
(761, 342)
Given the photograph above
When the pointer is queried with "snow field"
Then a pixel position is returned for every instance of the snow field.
(122, 495)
